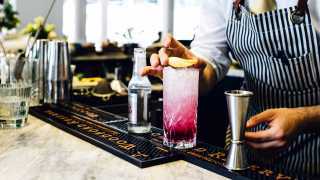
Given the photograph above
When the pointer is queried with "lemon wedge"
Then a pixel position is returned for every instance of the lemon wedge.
(181, 63)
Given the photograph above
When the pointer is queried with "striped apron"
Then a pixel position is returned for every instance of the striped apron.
(279, 52)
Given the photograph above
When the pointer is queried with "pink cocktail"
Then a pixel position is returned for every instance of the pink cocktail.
(180, 103)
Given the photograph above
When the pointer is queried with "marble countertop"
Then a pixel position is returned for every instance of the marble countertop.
(40, 151)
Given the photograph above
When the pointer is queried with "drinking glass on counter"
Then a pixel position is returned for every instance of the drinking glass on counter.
(180, 103)
(15, 90)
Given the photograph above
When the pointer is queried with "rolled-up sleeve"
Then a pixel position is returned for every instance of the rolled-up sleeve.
(210, 42)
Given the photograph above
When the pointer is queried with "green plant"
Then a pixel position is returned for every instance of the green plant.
(8, 16)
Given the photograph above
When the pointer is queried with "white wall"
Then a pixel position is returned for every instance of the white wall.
(29, 9)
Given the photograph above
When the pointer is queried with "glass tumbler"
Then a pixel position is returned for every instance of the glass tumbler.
(180, 104)
(15, 90)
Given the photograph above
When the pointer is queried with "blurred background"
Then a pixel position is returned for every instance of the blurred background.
(102, 35)
(97, 20)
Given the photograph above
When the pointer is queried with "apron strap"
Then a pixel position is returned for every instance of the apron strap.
(237, 8)
(236, 5)
(301, 10)
(302, 6)
(298, 16)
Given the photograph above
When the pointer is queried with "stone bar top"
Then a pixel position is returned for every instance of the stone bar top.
(40, 151)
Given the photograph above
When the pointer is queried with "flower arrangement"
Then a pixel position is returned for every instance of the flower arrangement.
(8, 17)
(47, 32)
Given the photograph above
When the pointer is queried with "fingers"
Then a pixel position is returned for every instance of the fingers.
(153, 71)
(164, 57)
(170, 41)
(172, 47)
(154, 60)
(265, 116)
(261, 136)
(200, 64)
(176, 48)
(271, 145)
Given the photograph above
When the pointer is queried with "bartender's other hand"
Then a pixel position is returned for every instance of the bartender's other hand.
(283, 125)
(171, 47)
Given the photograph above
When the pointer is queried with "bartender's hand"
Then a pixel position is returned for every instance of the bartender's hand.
(171, 47)
(283, 123)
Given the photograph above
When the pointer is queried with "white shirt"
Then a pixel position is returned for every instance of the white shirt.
(210, 41)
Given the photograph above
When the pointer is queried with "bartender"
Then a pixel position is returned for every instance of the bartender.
(277, 43)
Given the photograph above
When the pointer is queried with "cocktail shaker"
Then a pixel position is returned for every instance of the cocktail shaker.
(58, 73)
(38, 55)
(238, 102)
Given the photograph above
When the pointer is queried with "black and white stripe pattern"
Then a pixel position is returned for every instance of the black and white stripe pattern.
(282, 67)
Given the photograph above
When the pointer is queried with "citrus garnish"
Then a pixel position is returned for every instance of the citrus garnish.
(181, 63)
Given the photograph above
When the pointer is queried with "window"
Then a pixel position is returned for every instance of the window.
(186, 17)
(144, 18)
(67, 19)
(93, 22)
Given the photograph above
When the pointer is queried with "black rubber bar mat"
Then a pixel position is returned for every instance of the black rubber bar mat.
(213, 158)
(108, 131)
(91, 113)
(136, 150)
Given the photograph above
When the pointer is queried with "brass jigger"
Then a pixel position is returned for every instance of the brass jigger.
(238, 102)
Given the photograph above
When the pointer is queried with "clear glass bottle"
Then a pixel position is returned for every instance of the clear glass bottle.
(139, 92)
